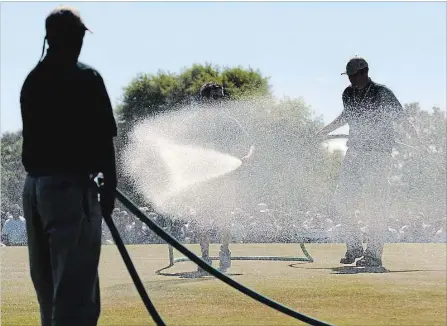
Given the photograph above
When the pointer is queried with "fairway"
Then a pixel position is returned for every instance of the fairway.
(411, 292)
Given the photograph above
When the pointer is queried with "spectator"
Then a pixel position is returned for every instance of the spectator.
(14, 230)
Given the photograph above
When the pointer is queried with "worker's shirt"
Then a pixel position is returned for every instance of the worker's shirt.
(370, 113)
(67, 116)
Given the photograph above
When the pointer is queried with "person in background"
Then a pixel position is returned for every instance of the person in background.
(14, 229)
(228, 136)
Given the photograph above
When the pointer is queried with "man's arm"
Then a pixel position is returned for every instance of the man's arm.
(339, 122)
(250, 153)
(398, 115)
(246, 136)
(5, 238)
(105, 133)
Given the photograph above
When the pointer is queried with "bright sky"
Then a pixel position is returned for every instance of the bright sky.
(303, 47)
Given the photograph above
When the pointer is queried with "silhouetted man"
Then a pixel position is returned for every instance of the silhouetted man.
(68, 130)
(370, 110)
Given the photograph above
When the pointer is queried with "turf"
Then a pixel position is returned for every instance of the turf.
(412, 291)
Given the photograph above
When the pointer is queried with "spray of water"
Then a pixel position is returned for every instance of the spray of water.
(189, 161)
(178, 161)
(164, 169)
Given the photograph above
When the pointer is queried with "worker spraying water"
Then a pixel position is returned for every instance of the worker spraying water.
(201, 163)
(233, 139)
(370, 109)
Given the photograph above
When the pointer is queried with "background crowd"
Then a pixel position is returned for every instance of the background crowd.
(262, 224)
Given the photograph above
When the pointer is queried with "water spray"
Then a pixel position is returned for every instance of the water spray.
(417, 149)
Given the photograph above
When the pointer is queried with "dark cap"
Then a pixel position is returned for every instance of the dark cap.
(355, 65)
(63, 20)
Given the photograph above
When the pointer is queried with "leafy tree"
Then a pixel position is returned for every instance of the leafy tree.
(420, 176)
(149, 94)
(12, 171)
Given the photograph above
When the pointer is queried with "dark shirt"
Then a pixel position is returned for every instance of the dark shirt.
(370, 113)
(67, 119)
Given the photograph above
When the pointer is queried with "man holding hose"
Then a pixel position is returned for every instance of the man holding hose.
(370, 109)
(68, 131)
(224, 134)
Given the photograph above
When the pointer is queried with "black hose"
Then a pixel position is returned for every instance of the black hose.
(241, 288)
(340, 136)
(133, 272)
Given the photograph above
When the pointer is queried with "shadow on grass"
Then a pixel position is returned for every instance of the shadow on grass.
(195, 274)
(360, 270)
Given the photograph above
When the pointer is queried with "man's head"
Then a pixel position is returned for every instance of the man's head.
(65, 31)
(211, 91)
(16, 211)
(357, 70)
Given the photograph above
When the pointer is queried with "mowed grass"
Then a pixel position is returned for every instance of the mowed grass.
(412, 292)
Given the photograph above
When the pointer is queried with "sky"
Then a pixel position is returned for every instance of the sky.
(302, 46)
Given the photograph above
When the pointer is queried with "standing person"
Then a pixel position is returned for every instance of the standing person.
(226, 135)
(370, 109)
(14, 229)
(68, 130)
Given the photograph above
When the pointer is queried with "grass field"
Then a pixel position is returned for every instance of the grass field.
(411, 292)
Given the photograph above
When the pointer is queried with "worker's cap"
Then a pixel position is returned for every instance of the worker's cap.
(63, 21)
(355, 65)
(211, 90)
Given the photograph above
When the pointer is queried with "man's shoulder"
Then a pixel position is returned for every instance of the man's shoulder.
(7, 222)
(33, 76)
(87, 69)
(348, 91)
(380, 87)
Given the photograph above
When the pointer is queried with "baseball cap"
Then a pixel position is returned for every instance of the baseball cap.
(211, 89)
(355, 65)
(63, 20)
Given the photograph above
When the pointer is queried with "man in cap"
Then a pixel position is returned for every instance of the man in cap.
(370, 109)
(68, 130)
(224, 134)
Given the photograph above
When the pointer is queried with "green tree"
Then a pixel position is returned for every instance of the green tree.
(421, 175)
(149, 94)
(12, 171)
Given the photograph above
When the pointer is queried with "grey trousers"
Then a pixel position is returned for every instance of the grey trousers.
(363, 186)
(63, 219)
